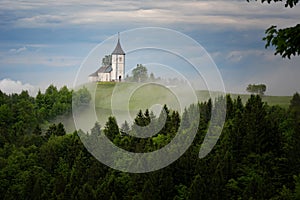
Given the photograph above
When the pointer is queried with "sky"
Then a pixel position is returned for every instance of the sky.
(45, 42)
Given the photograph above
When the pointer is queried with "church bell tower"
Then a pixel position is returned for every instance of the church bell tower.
(118, 63)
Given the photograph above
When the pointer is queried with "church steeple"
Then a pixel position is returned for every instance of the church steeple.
(118, 50)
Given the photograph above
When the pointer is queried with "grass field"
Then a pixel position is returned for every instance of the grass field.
(142, 96)
(134, 96)
(127, 99)
(282, 101)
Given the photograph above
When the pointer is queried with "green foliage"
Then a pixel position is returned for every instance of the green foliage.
(106, 60)
(287, 40)
(256, 156)
(256, 89)
(57, 130)
(53, 103)
(197, 188)
(111, 129)
(290, 3)
(139, 74)
(81, 97)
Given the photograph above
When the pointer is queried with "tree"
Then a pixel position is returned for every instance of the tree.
(96, 130)
(152, 77)
(81, 97)
(287, 40)
(58, 130)
(257, 89)
(255, 123)
(106, 60)
(37, 130)
(197, 188)
(111, 129)
(290, 3)
(140, 73)
(125, 128)
(294, 141)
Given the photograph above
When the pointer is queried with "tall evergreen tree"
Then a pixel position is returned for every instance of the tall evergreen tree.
(111, 129)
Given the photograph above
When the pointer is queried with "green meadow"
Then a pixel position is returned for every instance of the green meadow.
(142, 96)
(127, 99)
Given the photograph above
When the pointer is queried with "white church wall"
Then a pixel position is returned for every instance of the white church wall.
(93, 78)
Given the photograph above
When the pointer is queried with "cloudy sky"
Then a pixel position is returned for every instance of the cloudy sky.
(44, 42)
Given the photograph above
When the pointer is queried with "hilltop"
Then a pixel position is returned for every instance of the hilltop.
(160, 94)
(136, 96)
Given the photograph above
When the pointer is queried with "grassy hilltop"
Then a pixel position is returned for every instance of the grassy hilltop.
(139, 96)
(135, 96)
(143, 96)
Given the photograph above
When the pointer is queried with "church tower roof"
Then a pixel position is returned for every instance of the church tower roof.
(118, 50)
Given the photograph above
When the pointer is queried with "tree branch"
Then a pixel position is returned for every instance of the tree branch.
(286, 41)
(290, 3)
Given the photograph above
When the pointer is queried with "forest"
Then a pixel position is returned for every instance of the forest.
(256, 157)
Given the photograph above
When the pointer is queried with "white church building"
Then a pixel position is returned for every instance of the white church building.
(112, 67)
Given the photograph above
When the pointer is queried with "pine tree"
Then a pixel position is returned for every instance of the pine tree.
(125, 129)
(294, 142)
(111, 129)
(255, 124)
(60, 130)
(96, 130)
(197, 188)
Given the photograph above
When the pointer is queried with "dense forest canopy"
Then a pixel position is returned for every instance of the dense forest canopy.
(256, 157)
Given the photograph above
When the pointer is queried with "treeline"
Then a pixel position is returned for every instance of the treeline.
(22, 115)
(140, 74)
(256, 157)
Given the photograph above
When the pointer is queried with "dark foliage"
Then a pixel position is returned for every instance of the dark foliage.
(256, 157)
(286, 40)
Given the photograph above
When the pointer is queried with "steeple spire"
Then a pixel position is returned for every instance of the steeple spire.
(118, 50)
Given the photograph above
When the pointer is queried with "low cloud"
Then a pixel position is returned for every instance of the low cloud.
(37, 59)
(18, 50)
(9, 86)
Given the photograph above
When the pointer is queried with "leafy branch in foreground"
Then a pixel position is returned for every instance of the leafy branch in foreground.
(290, 3)
(287, 40)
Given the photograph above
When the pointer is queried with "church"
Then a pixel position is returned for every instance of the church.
(112, 67)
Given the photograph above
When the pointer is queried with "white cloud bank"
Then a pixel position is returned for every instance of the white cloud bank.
(9, 86)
